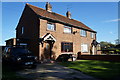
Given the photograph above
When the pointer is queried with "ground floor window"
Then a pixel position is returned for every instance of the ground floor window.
(84, 47)
(66, 47)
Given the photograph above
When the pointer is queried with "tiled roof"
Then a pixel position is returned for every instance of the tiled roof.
(58, 17)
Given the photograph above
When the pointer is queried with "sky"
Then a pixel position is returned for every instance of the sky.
(99, 16)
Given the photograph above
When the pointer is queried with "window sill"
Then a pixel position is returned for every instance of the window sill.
(51, 30)
(66, 33)
(66, 52)
(85, 52)
(83, 36)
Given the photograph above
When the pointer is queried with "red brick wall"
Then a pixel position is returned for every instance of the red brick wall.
(64, 37)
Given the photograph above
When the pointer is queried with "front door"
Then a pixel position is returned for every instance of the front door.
(49, 50)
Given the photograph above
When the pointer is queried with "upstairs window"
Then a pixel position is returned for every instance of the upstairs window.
(84, 48)
(22, 30)
(67, 29)
(83, 33)
(66, 47)
(51, 26)
(92, 35)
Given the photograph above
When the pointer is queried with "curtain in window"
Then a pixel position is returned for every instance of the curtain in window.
(83, 33)
(50, 26)
(67, 29)
(84, 48)
(66, 47)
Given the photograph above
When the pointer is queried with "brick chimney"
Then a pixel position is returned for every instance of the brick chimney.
(68, 14)
(48, 7)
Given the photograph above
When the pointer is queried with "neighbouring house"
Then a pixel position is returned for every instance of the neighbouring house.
(11, 42)
(48, 34)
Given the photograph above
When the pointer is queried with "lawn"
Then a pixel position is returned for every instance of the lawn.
(104, 70)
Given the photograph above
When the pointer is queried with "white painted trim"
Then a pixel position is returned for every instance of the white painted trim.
(67, 53)
(49, 35)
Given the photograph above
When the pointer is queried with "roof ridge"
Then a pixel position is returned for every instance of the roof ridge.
(46, 10)
(34, 6)
(52, 12)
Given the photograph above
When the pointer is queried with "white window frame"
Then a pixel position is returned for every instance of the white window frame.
(84, 48)
(83, 33)
(92, 35)
(51, 26)
(22, 30)
(67, 29)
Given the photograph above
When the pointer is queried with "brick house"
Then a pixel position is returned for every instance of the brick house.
(48, 34)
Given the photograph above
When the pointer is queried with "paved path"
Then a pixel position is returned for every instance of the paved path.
(53, 71)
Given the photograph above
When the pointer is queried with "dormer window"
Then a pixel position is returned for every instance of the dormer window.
(67, 29)
(22, 30)
(51, 26)
(83, 33)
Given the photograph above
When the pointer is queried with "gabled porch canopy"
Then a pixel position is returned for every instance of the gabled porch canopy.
(48, 37)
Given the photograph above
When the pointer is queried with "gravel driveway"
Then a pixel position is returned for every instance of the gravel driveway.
(53, 71)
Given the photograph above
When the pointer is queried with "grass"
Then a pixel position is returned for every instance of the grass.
(8, 73)
(104, 70)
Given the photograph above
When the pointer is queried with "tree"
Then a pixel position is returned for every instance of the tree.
(117, 41)
(106, 45)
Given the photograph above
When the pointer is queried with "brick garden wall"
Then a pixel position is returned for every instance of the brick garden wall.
(100, 57)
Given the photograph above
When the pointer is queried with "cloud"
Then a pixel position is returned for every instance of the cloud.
(111, 32)
(114, 20)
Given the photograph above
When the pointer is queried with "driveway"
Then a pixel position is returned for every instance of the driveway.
(53, 71)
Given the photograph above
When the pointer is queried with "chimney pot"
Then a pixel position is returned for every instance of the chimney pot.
(48, 7)
(68, 14)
